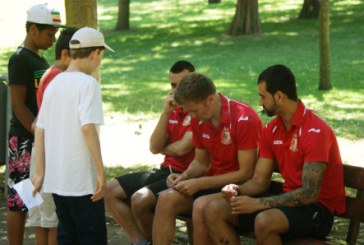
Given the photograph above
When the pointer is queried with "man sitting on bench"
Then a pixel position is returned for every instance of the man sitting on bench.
(306, 152)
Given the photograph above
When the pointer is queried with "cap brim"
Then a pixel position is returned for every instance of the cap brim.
(108, 48)
(60, 26)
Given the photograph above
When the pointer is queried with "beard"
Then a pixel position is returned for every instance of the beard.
(270, 112)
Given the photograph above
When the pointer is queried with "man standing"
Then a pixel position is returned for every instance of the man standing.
(306, 152)
(225, 136)
(131, 198)
(26, 67)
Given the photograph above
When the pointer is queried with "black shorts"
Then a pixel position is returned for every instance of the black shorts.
(154, 180)
(314, 220)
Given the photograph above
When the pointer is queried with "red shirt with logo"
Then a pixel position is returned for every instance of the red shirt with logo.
(178, 124)
(239, 129)
(309, 139)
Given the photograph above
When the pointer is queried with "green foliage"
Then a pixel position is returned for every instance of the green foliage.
(135, 77)
(112, 172)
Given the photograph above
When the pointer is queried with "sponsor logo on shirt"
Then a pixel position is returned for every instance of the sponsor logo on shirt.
(277, 142)
(173, 121)
(206, 136)
(246, 118)
(187, 121)
(315, 130)
(294, 143)
(225, 136)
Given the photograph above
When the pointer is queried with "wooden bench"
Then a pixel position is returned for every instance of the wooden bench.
(354, 179)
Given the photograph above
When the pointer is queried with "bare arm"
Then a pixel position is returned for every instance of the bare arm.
(192, 184)
(159, 137)
(311, 185)
(18, 96)
(247, 160)
(198, 167)
(180, 147)
(93, 143)
(260, 181)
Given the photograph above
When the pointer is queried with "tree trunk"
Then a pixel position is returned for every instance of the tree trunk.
(123, 16)
(214, 1)
(310, 9)
(81, 13)
(246, 20)
(325, 64)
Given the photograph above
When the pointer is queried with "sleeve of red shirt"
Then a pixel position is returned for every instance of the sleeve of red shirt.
(248, 133)
(196, 141)
(265, 143)
(316, 145)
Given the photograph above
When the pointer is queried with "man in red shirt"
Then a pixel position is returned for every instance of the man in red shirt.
(131, 198)
(225, 136)
(306, 152)
(63, 59)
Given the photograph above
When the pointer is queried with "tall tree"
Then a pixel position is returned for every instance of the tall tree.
(325, 64)
(81, 13)
(122, 23)
(246, 20)
(310, 9)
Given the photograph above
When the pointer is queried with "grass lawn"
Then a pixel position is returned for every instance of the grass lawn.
(135, 78)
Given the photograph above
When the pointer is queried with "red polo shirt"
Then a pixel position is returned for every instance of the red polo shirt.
(309, 139)
(178, 124)
(46, 79)
(239, 129)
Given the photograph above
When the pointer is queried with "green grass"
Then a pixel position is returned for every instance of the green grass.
(135, 78)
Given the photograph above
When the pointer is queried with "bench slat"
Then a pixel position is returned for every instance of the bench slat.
(354, 177)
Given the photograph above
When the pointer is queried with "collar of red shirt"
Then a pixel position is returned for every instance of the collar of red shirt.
(298, 116)
(225, 109)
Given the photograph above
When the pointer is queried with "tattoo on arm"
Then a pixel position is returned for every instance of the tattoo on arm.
(311, 184)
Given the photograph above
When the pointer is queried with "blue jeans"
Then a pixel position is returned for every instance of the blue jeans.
(81, 221)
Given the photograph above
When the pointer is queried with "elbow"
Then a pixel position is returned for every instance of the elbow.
(154, 150)
(182, 151)
(312, 196)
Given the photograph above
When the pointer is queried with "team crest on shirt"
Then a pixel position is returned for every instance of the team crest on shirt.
(294, 143)
(225, 136)
(187, 120)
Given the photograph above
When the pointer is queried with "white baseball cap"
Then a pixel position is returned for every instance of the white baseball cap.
(43, 14)
(87, 37)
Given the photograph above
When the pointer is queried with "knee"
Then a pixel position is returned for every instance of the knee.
(211, 212)
(167, 202)
(113, 193)
(108, 194)
(198, 210)
(262, 224)
(142, 201)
